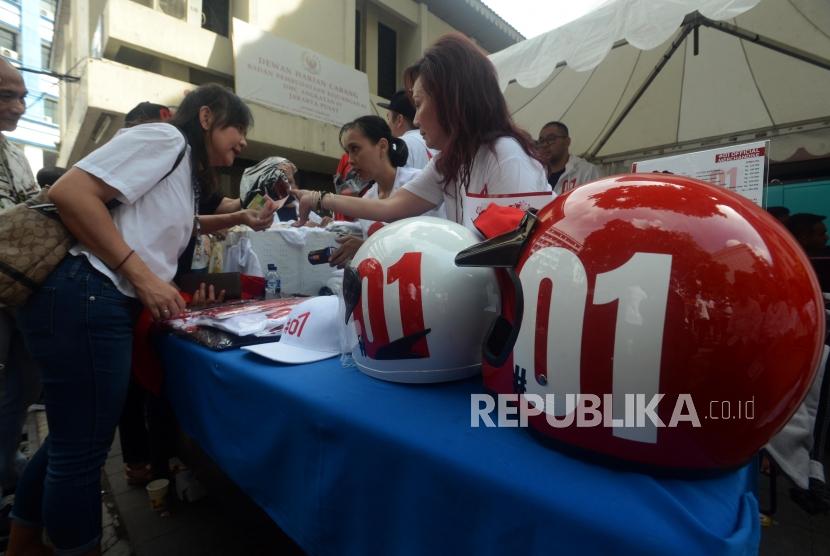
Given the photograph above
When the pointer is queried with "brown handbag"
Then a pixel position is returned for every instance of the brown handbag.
(33, 240)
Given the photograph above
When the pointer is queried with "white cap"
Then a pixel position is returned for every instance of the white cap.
(311, 333)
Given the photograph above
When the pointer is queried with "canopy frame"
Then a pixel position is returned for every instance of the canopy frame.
(691, 24)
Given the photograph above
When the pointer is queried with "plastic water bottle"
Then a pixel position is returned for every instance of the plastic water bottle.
(273, 283)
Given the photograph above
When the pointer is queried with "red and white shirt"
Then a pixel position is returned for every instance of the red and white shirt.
(502, 173)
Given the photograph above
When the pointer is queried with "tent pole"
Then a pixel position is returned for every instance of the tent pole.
(684, 32)
(767, 42)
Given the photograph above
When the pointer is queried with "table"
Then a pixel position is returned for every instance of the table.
(346, 464)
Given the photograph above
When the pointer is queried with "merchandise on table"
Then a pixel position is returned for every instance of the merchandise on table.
(312, 333)
(423, 319)
(654, 291)
(235, 323)
(288, 248)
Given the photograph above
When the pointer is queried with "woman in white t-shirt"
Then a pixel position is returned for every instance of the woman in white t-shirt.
(79, 324)
(484, 158)
(378, 157)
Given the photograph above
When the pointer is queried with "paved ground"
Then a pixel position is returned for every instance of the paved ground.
(226, 522)
(793, 532)
(238, 527)
(223, 523)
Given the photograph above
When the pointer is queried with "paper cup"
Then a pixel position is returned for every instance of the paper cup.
(157, 492)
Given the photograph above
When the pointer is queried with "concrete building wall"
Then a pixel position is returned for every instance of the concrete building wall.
(435, 28)
(320, 25)
(128, 51)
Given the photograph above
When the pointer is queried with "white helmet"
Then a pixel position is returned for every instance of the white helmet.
(419, 318)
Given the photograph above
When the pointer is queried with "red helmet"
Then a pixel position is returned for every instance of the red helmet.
(680, 313)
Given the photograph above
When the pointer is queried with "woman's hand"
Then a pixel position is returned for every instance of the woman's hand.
(162, 299)
(348, 247)
(256, 220)
(305, 201)
(205, 296)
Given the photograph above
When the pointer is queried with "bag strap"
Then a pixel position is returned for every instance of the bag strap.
(175, 164)
(114, 203)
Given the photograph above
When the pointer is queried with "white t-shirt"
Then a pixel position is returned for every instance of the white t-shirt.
(155, 218)
(578, 171)
(507, 171)
(402, 176)
(419, 153)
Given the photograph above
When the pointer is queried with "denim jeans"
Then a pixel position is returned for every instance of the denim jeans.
(19, 387)
(79, 329)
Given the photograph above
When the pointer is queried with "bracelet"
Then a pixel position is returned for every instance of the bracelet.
(323, 196)
(124, 260)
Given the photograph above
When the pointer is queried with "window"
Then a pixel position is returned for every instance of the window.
(199, 77)
(50, 109)
(358, 38)
(48, 7)
(216, 16)
(45, 52)
(8, 39)
(387, 61)
(175, 8)
(50, 159)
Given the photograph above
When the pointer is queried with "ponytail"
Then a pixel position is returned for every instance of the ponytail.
(398, 152)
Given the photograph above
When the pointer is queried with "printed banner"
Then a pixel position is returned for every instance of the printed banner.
(282, 75)
(739, 168)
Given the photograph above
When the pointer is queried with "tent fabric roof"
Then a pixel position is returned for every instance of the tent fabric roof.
(730, 89)
(586, 41)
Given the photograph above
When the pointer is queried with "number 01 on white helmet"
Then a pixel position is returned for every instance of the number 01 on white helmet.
(419, 317)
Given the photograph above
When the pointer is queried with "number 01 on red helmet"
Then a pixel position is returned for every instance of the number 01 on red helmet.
(684, 307)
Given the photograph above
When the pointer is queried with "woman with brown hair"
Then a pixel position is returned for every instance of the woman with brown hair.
(484, 157)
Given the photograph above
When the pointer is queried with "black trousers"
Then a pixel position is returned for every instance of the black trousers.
(147, 430)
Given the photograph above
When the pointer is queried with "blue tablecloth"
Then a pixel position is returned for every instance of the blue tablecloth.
(347, 464)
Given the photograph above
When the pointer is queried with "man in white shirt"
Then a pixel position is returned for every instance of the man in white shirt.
(565, 171)
(399, 116)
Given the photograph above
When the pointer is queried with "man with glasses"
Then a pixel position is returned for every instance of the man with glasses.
(565, 171)
(19, 379)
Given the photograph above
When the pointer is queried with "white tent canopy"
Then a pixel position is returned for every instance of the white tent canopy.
(639, 78)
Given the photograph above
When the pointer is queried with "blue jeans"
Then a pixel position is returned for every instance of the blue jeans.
(79, 329)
